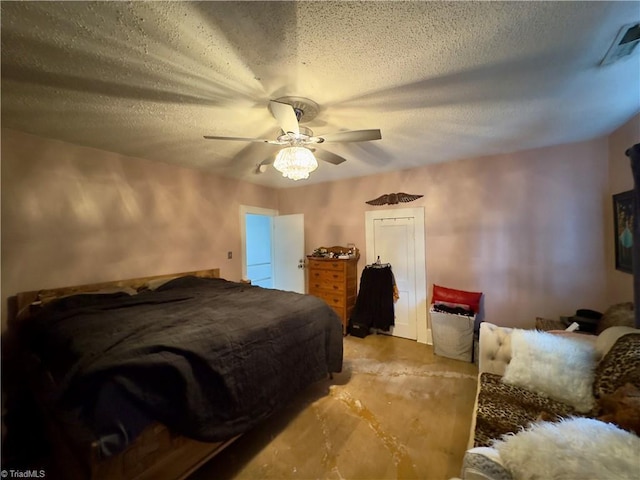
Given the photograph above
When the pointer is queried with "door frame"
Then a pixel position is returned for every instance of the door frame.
(417, 213)
(244, 209)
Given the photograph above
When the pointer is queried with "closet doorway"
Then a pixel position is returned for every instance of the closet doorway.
(397, 237)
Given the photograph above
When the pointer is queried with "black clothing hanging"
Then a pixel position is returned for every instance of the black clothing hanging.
(374, 304)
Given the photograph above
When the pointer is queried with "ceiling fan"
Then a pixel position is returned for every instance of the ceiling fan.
(289, 112)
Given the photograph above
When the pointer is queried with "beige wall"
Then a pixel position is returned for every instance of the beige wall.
(620, 180)
(527, 229)
(74, 215)
(531, 229)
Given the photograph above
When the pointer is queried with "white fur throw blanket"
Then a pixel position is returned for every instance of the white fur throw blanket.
(553, 366)
(573, 449)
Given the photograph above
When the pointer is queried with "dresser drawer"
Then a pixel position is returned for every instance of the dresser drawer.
(332, 287)
(336, 266)
(326, 276)
(332, 300)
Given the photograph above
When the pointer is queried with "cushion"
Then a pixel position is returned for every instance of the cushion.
(547, 324)
(494, 348)
(620, 365)
(618, 315)
(575, 448)
(553, 366)
(622, 408)
(609, 337)
(456, 298)
(484, 462)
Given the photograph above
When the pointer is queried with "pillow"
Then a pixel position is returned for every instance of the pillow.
(552, 366)
(618, 315)
(96, 299)
(47, 296)
(622, 408)
(607, 339)
(191, 281)
(484, 462)
(574, 448)
(620, 365)
(456, 298)
(156, 283)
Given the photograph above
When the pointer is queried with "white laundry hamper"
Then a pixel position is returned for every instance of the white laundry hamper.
(453, 335)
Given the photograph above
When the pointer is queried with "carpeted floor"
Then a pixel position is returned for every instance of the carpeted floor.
(397, 411)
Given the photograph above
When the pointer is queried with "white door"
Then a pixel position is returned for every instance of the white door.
(393, 244)
(288, 253)
(285, 238)
(397, 237)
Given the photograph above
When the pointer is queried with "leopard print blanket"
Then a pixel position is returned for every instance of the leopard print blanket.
(504, 408)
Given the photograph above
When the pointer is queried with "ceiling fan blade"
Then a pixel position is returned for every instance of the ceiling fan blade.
(285, 115)
(239, 139)
(353, 136)
(329, 157)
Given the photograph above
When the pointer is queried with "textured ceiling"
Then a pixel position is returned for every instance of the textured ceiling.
(442, 80)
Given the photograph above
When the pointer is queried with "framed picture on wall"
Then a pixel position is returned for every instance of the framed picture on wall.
(622, 223)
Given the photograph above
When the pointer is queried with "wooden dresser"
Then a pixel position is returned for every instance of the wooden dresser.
(336, 282)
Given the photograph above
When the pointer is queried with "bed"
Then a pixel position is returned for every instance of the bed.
(151, 377)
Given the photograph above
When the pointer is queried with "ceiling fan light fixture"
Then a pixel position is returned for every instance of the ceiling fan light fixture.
(295, 163)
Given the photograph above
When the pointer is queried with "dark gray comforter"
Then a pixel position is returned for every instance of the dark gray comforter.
(207, 357)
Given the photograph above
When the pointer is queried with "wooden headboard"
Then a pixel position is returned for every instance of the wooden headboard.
(23, 300)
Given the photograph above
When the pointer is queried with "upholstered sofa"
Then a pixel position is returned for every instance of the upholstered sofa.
(551, 381)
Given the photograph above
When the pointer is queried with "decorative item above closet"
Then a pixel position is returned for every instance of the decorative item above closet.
(393, 199)
(374, 305)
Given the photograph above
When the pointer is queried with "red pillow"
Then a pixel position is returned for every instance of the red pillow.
(456, 297)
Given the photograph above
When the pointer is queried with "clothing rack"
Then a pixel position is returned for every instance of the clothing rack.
(374, 305)
(377, 264)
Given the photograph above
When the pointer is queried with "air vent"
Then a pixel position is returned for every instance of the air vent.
(624, 44)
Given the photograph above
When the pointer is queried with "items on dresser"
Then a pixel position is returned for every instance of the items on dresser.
(333, 278)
